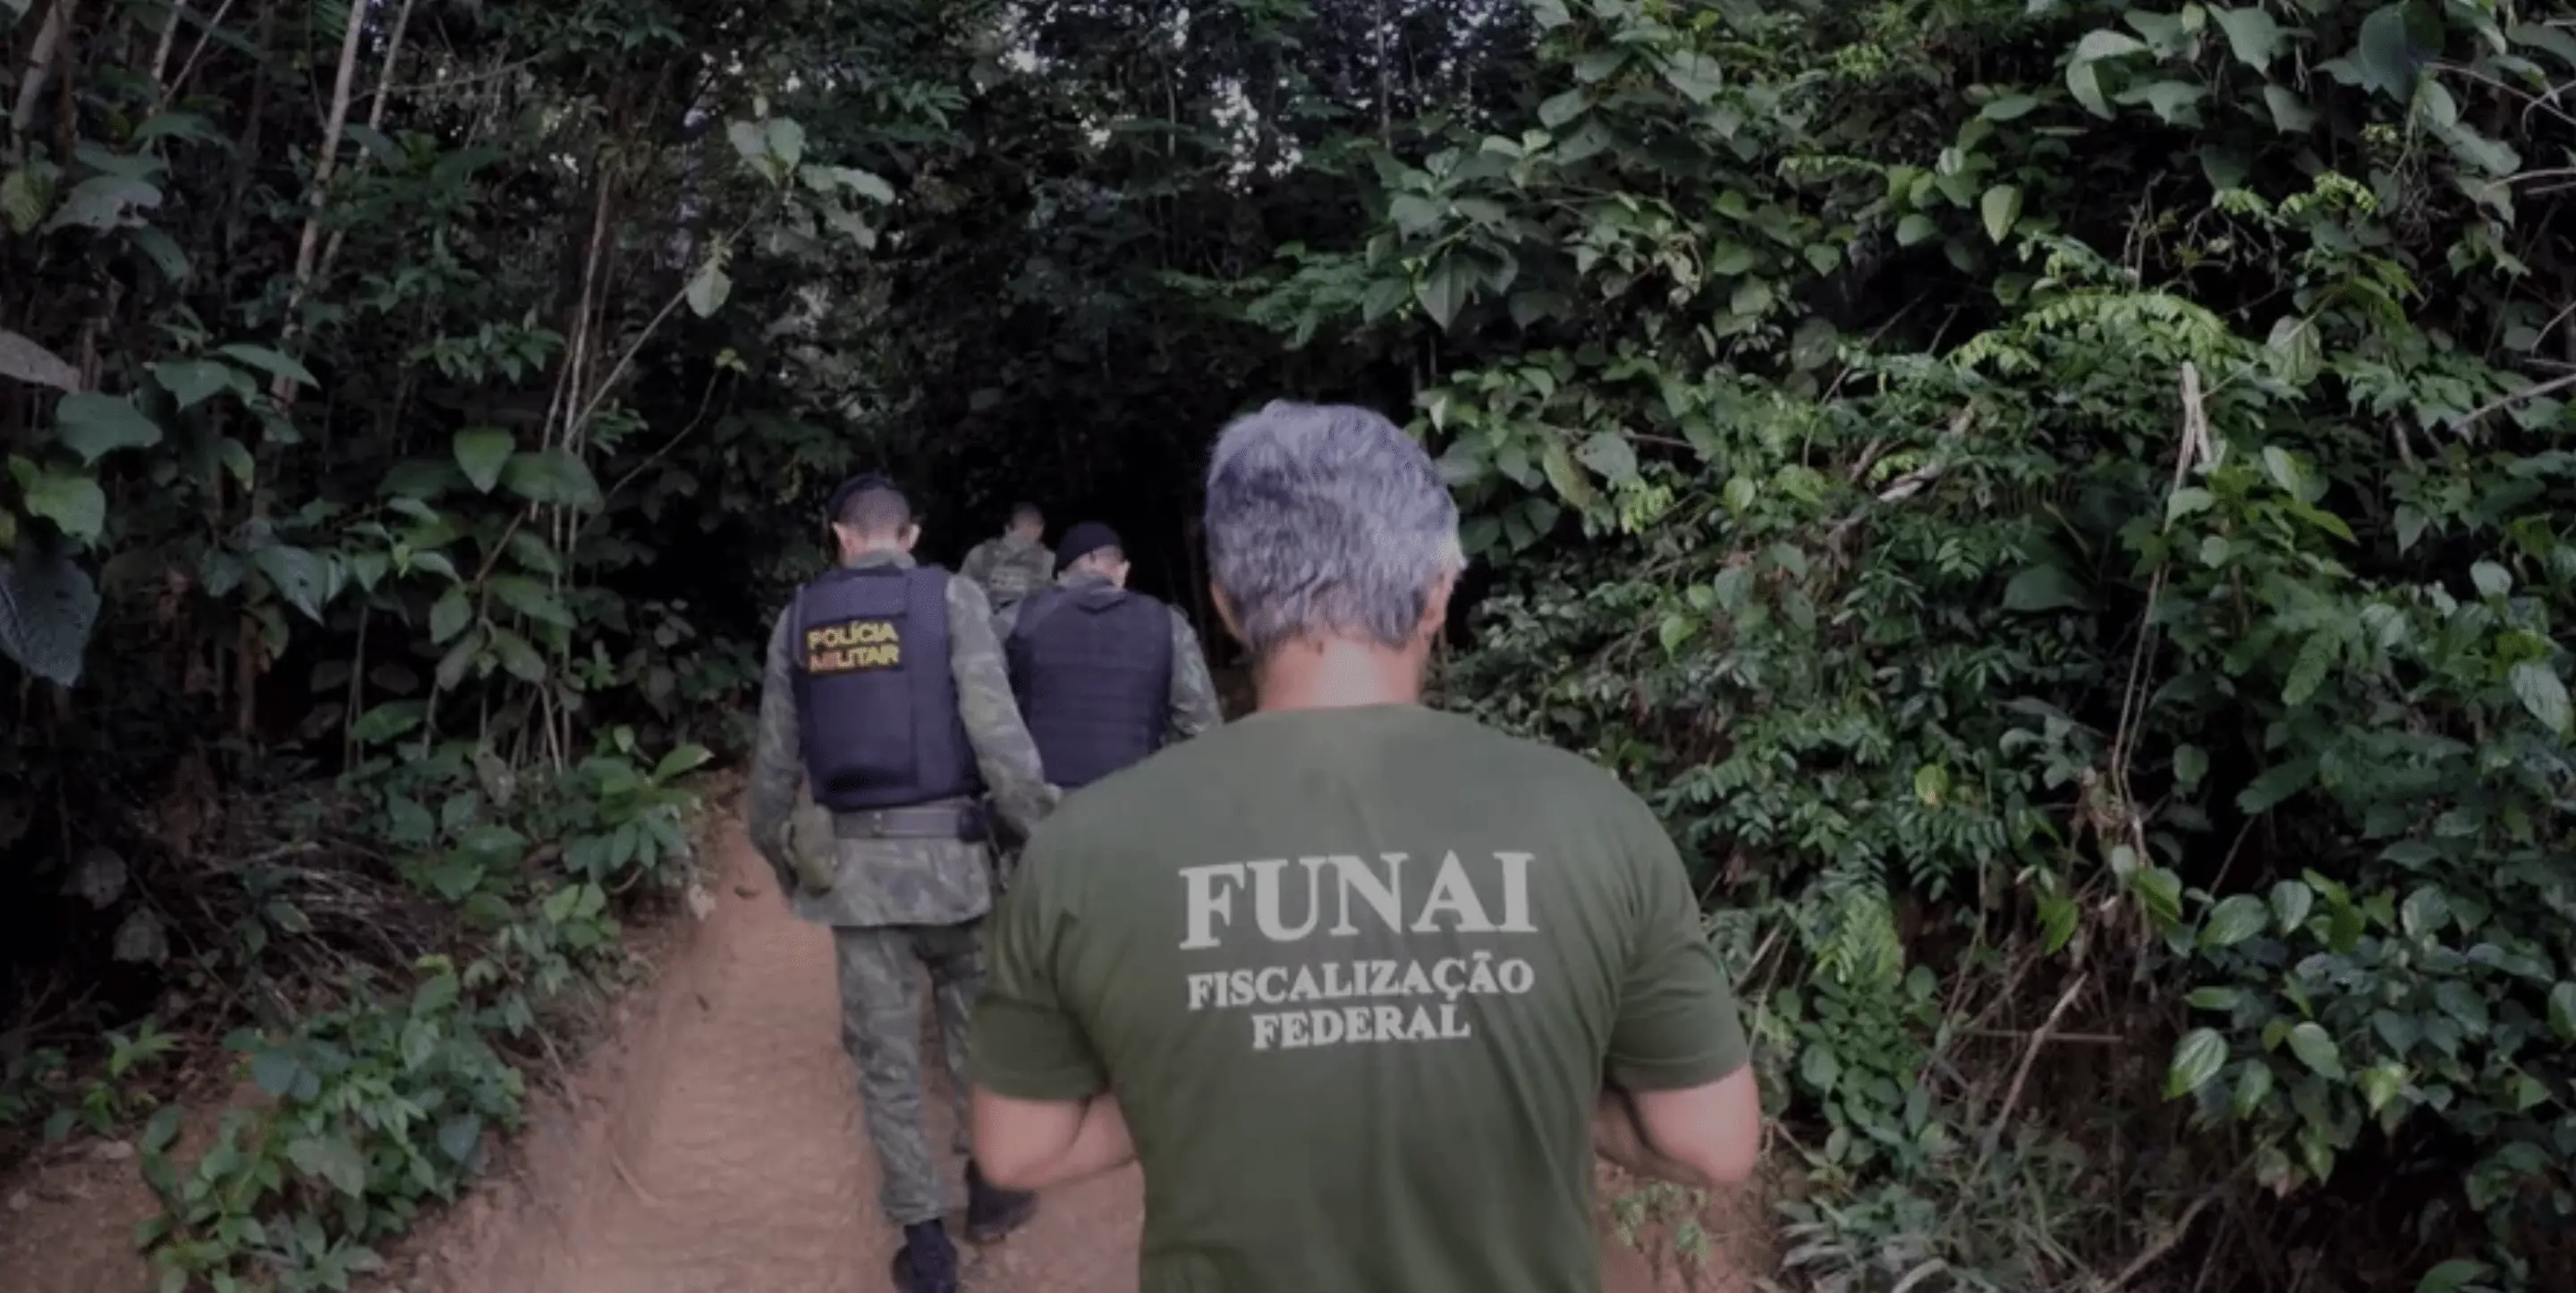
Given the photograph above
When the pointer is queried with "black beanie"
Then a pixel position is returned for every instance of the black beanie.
(1083, 540)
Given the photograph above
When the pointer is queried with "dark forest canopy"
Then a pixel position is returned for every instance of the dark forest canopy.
(2063, 506)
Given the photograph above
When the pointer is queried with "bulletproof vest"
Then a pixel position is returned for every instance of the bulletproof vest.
(1092, 668)
(876, 703)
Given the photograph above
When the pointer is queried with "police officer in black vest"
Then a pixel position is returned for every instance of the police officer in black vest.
(1104, 676)
(887, 695)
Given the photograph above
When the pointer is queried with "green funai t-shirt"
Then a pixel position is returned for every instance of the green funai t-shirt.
(1356, 977)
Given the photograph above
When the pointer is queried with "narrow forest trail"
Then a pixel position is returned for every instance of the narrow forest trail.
(715, 1146)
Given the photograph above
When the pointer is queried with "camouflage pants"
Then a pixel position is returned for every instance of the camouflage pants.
(881, 1029)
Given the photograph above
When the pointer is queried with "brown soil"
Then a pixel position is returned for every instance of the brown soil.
(713, 1146)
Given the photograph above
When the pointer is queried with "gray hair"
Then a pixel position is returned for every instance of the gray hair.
(1326, 521)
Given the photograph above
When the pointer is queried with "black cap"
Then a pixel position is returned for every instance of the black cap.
(1083, 540)
(852, 488)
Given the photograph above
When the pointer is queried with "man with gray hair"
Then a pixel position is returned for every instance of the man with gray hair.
(1363, 985)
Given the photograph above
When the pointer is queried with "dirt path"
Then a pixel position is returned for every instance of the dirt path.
(715, 1146)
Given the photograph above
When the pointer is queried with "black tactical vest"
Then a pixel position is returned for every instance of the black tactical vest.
(876, 703)
(1093, 671)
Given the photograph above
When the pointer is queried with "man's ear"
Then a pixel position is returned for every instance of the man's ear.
(911, 536)
(1224, 611)
(1435, 608)
(845, 541)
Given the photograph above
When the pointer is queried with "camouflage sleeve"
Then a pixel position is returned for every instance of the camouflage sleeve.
(1194, 703)
(1003, 750)
(978, 565)
(778, 761)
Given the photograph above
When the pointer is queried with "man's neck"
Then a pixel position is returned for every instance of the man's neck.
(1338, 674)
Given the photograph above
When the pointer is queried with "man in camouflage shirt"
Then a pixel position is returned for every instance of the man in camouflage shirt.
(886, 694)
(1014, 564)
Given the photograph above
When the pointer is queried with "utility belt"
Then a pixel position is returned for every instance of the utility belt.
(970, 820)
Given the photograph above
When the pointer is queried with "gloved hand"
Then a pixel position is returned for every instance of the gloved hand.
(812, 848)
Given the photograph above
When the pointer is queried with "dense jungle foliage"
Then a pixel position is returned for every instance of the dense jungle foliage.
(2064, 505)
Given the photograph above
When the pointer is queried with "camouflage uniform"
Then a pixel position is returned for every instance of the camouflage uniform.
(1009, 568)
(1194, 706)
(896, 903)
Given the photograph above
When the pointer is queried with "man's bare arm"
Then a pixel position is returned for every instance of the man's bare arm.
(1033, 1144)
(1700, 1136)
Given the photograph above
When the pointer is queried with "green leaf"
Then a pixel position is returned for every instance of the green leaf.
(1915, 228)
(2106, 43)
(2218, 999)
(2196, 1059)
(458, 1136)
(2176, 103)
(1562, 108)
(1569, 480)
(2291, 902)
(2451, 1276)
(2541, 692)
(2251, 35)
(870, 185)
(2308, 672)
(1752, 296)
(270, 362)
(420, 479)
(192, 382)
(2562, 1011)
(23, 359)
(333, 1160)
(552, 476)
(2389, 56)
(787, 141)
(750, 142)
(481, 452)
(2057, 920)
(95, 426)
(708, 289)
(2291, 114)
(2001, 208)
(75, 504)
(2286, 471)
(300, 577)
(686, 758)
(275, 1070)
(2045, 588)
(1444, 289)
(2008, 107)
(26, 194)
(104, 202)
(163, 251)
(47, 608)
(2425, 912)
(2380, 1084)
(161, 1131)
(2276, 786)
(2190, 765)
(1676, 629)
(1697, 76)
(532, 599)
(2253, 1083)
(2318, 1051)
(2491, 579)
(1610, 454)
(2236, 918)
(517, 656)
(450, 614)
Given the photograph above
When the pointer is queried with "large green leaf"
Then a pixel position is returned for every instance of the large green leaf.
(1444, 289)
(2196, 1059)
(2390, 55)
(2045, 588)
(270, 362)
(2539, 689)
(104, 202)
(192, 382)
(74, 503)
(481, 452)
(23, 359)
(552, 476)
(2316, 1048)
(95, 426)
(2236, 918)
(47, 608)
(2252, 35)
(302, 577)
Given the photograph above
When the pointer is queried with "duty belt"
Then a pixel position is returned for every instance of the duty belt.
(927, 822)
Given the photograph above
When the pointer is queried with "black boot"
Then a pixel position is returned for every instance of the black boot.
(991, 1211)
(927, 1262)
